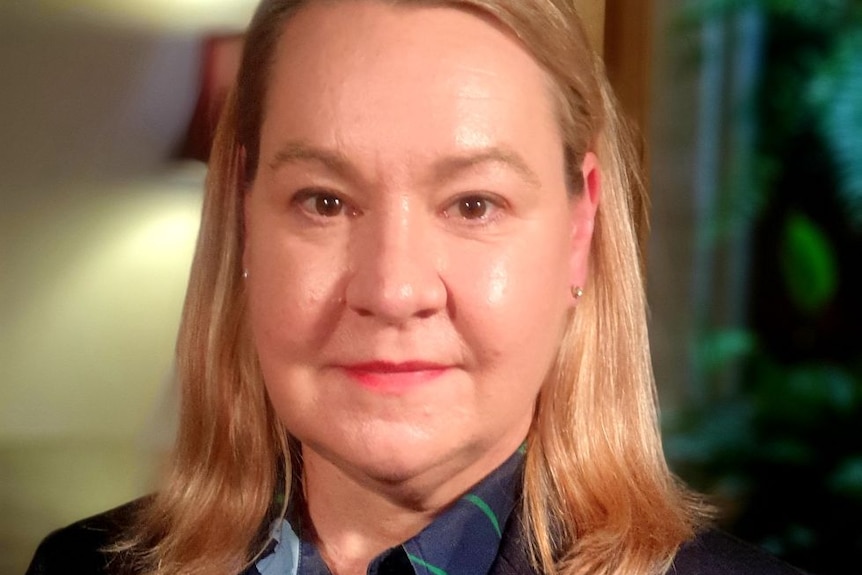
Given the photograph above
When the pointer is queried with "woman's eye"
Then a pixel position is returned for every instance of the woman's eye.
(474, 208)
(321, 204)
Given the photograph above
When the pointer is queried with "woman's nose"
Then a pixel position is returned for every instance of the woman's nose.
(395, 270)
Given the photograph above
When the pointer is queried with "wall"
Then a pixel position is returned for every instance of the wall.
(96, 235)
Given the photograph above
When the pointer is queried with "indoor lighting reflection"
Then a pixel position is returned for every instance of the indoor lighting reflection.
(182, 14)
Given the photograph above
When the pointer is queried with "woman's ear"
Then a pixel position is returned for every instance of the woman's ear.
(584, 207)
(592, 174)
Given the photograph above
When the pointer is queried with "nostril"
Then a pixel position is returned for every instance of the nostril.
(426, 313)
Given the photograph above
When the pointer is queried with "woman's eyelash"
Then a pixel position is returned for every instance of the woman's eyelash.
(322, 203)
(480, 208)
(473, 208)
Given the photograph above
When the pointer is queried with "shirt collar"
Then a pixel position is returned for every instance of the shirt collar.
(463, 540)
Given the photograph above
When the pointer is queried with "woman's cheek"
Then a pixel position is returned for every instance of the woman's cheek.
(497, 282)
(295, 296)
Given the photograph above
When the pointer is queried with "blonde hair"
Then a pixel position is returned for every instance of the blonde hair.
(598, 497)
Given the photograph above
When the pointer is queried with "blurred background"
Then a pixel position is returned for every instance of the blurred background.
(99, 101)
(756, 266)
(751, 119)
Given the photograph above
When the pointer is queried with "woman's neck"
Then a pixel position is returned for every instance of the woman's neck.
(356, 517)
(356, 521)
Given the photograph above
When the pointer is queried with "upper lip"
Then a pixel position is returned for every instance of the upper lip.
(394, 367)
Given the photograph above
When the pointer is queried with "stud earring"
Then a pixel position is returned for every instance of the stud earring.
(577, 292)
(245, 274)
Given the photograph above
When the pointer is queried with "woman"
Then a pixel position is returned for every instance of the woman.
(414, 338)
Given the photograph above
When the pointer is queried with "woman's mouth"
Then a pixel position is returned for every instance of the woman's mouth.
(394, 377)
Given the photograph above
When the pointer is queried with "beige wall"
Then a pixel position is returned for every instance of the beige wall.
(96, 236)
(92, 285)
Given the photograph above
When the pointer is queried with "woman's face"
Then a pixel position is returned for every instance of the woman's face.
(411, 245)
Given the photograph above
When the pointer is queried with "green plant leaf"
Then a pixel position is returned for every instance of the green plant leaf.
(835, 92)
(808, 264)
(805, 395)
(718, 348)
(847, 479)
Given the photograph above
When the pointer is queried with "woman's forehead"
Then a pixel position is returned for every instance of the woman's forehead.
(366, 76)
(358, 38)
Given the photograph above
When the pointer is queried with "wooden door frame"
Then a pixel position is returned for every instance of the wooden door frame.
(627, 47)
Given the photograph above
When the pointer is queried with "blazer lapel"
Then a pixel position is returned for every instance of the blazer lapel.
(513, 558)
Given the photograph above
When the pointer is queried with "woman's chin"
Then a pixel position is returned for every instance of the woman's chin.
(395, 462)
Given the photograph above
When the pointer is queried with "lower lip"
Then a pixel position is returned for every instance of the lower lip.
(394, 381)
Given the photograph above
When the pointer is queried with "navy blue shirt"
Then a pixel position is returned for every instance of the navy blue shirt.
(463, 540)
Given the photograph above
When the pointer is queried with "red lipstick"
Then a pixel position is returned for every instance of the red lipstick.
(390, 377)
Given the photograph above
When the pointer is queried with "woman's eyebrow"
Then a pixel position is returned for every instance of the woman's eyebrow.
(444, 169)
(450, 167)
(332, 160)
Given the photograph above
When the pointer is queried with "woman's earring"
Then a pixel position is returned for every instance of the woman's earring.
(577, 292)
(245, 274)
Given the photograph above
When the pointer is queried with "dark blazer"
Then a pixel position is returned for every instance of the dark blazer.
(76, 550)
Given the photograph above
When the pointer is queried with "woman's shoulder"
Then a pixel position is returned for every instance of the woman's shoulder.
(80, 548)
(710, 552)
(714, 552)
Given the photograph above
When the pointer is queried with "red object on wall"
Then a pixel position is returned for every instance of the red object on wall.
(219, 66)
